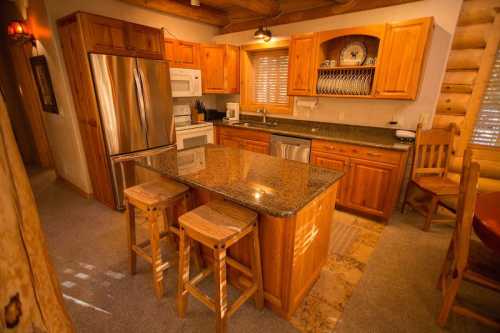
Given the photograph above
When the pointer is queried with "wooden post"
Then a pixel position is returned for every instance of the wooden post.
(30, 296)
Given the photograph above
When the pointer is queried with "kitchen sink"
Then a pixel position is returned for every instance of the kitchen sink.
(256, 124)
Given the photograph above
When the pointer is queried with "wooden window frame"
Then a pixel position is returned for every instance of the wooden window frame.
(246, 72)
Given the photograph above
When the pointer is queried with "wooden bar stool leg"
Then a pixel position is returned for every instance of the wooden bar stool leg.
(182, 294)
(257, 268)
(430, 214)
(221, 291)
(156, 260)
(132, 256)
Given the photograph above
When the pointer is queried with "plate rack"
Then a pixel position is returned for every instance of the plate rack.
(345, 81)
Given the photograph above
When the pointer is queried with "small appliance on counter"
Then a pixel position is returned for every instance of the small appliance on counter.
(191, 133)
(405, 136)
(213, 114)
(232, 112)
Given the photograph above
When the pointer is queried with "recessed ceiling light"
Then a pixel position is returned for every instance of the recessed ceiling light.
(195, 3)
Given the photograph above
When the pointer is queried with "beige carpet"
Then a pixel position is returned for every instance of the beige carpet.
(352, 242)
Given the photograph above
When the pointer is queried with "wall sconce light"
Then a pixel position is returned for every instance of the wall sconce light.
(18, 30)
(263, 34)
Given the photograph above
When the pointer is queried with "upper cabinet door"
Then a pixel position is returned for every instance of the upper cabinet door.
(187, 55)
(147, 42)
(220, 68)
(301, 65)
(169, 54)
(232, 69)
(212, 65)
(402, 58)
(105, 35)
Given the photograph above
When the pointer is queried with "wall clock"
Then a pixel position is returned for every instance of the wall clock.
(353, 54)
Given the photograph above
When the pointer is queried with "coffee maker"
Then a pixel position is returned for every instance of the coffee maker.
(232, 112)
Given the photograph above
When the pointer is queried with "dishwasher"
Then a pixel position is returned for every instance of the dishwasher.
(291, 148)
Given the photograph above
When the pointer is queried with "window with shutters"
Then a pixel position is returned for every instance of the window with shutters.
(265, 79)
(487, 129)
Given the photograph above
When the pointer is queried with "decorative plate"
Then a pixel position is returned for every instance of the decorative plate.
(353, 54)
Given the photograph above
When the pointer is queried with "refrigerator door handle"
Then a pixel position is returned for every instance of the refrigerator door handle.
(140, 97)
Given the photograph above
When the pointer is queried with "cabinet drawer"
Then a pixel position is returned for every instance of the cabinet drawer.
(369, 153)
(245, 134)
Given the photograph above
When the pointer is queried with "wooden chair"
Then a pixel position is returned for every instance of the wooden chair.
(157, 200)
(467, 259)
(219, 225)
(433, 149)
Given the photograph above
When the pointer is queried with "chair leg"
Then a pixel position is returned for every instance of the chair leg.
(132, 256)
(182, 294)
(430, 214)
(446, 265)
(257, 268)
(405, 197)
(221, 291)
(156, 260)
(448, 299)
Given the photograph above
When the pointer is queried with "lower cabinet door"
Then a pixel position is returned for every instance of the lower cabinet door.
(256, 146)
(371, 187)
(335, 162)
(229, 141)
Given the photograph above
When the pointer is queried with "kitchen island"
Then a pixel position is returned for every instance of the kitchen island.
(295, 202)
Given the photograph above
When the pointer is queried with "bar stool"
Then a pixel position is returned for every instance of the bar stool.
(218, 225)
(157, 200)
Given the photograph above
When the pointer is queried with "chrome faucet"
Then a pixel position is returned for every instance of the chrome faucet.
(264, 115)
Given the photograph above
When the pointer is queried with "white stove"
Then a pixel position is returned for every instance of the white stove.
(188, 133)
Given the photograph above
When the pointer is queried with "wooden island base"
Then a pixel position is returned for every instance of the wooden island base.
(293, 251)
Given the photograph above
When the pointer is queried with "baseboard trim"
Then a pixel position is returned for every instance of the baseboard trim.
(73, 187)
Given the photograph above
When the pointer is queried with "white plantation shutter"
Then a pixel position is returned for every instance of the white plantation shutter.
(270, 77)
(487, 130)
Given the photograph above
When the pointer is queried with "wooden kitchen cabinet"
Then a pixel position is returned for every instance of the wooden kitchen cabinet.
(335, 162)
(182, 54)
(258, 142)
(373, 176)
(220, 68)
(402, 58)
(370, 186)
(116, 37)
(301, 65)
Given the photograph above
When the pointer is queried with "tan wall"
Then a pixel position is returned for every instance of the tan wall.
(63, 129)
(378, 112)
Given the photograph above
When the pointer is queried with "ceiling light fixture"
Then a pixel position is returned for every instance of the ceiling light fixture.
(195, 3)
(263, 34)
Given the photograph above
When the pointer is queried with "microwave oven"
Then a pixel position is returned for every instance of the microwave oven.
(185, 82)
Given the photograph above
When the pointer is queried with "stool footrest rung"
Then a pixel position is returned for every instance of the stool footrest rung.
(238, 266)
(142, 253)
(201, 276)
(242, 299)
(147, 242)
(198, 294)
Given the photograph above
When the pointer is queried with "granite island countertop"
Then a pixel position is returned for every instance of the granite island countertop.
(360, 135)
(264, 183)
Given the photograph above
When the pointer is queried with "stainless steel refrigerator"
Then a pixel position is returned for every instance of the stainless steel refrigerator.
(135, 105)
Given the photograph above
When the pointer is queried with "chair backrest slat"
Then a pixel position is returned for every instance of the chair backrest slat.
(433, 149)
(465, 210)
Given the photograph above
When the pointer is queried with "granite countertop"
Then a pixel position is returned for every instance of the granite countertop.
(264, 183)
(361, 135)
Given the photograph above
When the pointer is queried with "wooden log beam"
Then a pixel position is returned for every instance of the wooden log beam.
(335, 8)
(261, 7)
(203, 14)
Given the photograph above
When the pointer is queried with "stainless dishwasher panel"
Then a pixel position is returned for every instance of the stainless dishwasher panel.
(291, 148)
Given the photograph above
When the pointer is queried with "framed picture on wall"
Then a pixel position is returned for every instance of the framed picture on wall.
(44, 83)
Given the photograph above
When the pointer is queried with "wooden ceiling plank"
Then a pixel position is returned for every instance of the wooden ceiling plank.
(313, 13)
(262, 7)
(203, 14)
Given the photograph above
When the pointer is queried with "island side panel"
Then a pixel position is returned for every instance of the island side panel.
(311, 239)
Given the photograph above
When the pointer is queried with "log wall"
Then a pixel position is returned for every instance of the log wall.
(468, 70)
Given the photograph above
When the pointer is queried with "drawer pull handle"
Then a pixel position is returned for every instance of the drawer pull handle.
(373, 154)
